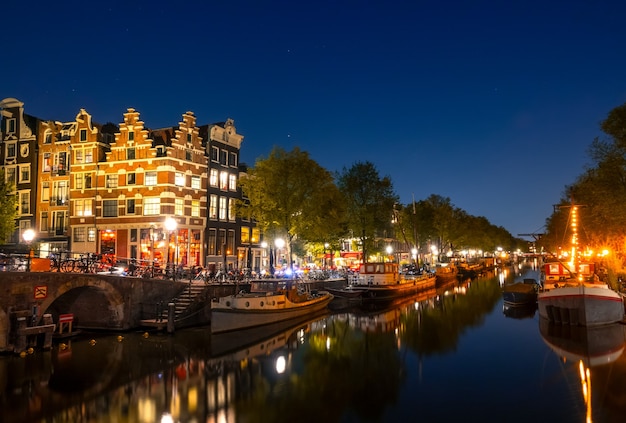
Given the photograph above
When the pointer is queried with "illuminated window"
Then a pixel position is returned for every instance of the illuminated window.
(223, 208)
(180, 179)
(79, 206)
(224, 181)
(78, 181)
(25, 203)
(231, 209)
(213, 207)
(256, 235)
(151, 206)
(213, 178)
(91, 235)
(179, 207)
(111, 181)
(46, 165)
(151, 178)
(195, 208)
(195, 182)
(232, 182)
(245, 235)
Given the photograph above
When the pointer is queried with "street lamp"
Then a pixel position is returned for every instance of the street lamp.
(389, 251)
(28, 237)
(170, 226)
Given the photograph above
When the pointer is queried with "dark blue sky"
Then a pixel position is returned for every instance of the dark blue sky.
(490, 103)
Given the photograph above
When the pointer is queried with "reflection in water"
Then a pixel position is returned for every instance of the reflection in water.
(353, 365)
(586, 349)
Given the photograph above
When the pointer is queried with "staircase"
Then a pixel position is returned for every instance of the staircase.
(183, 301)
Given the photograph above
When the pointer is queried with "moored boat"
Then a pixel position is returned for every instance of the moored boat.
(577, 298)
(446, 272)
(521, 293)
(269, 301)
(382, 281)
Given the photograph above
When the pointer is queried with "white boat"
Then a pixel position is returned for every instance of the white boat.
(269, 301)
(383, 282)
(577, 299)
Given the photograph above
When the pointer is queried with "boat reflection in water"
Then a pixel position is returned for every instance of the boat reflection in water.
(526, 311)
(590, 353)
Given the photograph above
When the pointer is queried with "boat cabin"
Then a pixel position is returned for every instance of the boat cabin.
(271, 285)
(379, 274)
(557, 271)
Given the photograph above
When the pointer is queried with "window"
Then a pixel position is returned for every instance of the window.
(189, 137)
(130, 154)
(78, 155)
(188, 155)
(9, 175)
(88, 207)
(111, 181)
(232, 160)
(87, 180)
(109, 208)
(195, 182)
(231, 209)
(44, 221)
(179, 207)
(245, 235)
(213, 207)
(213, 178)
(151, 206)
(79, 235)
(214, 154)
(180, 179)
(79, 206)
(151, 178)
(45, 191)
(60, 192)
(224, 181)
(47, 137)
(131, 136)
(24, 202)
(232, 182)
(46, 165)
(223, 157)
(11, 150)
(130, 179)
(83, 135)
(195, 208)
(223, 208)
(91, 235)
(24, 173)
(211, 242)
(78, 181)
(256, 235)
(130, 206)
(11, 126)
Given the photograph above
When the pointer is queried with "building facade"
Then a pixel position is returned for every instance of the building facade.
(111, 189)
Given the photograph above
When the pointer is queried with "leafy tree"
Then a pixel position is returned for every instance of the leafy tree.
(290, 195)
(370, 201)
(8, 208)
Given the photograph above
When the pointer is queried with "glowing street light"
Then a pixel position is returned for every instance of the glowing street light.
(28, 237)
(170, 226)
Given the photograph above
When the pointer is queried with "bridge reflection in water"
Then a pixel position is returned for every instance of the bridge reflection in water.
(353, 364)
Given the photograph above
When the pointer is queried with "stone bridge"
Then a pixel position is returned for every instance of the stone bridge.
(99, 302)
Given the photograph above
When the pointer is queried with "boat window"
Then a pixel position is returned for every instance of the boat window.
(247, 304)
(261, 303)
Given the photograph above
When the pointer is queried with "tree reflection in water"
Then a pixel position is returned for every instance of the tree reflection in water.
(355, 365)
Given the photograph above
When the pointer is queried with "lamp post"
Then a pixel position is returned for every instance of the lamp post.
(325, 248)
(28, 237)
(389, 250)
(170, 226)
(264, 247)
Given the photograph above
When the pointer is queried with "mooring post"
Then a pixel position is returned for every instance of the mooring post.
(47, 342)
(171, 314)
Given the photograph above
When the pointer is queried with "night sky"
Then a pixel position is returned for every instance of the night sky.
(493, 104)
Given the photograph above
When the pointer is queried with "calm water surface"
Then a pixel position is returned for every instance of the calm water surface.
(449, 355)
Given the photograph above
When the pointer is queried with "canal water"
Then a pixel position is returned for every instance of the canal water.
(451, 354)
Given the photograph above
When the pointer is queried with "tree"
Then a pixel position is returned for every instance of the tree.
(370, 202)
(290, 195)
(8, 208)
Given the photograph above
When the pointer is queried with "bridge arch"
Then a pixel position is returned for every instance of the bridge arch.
(94, 301)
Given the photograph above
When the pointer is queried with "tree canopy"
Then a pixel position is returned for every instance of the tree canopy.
(290, 195)
(8, 208)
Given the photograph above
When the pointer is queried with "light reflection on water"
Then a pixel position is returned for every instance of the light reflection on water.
(450, 354)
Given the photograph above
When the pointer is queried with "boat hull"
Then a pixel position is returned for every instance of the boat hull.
(261, 310)
(519, 298)
(582, 305)
(400, 289)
